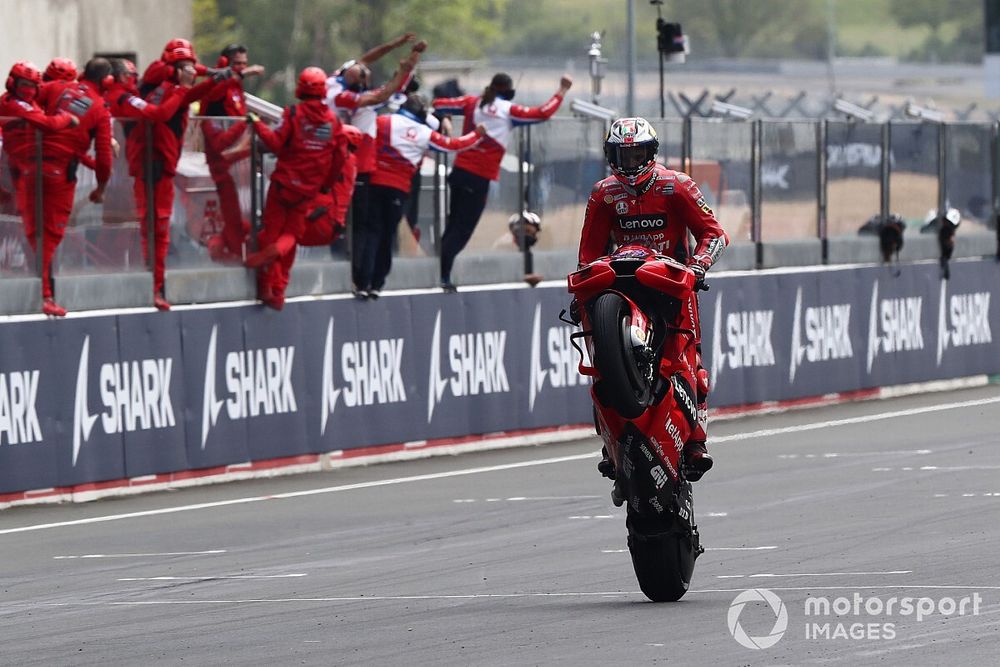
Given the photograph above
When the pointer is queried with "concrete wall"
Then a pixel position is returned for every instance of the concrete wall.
(39, 30)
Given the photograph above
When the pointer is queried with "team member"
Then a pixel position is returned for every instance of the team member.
(59, 73)
(221, 154)
(310, 146)
(20, 106)
(474, 169)
(670, 205)
(350, 95)
(172, 75)
(62, 151)
(403, 138)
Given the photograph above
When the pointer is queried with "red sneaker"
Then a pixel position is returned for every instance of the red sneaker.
(160, 302)
(50, 307)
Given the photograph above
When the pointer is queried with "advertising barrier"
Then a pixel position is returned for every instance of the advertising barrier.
(108, 397)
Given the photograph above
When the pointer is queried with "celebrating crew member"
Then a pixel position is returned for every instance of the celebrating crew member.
(671, 205)
(62, 151)
(225, 144)
(474, 169)
(58, 74)
(20, 106)
(403, 138)
(172, 75)
(310, 146)
(349, 93)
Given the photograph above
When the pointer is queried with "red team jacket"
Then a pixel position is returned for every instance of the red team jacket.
(19, 131)
(500, 117)
(401, 142)
(309, 145)
(83, 100)
(658, 215)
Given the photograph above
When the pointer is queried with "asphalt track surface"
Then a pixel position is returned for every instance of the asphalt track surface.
(516, 556)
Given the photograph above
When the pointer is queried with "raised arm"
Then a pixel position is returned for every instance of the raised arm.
(381, 50)
(521, 115)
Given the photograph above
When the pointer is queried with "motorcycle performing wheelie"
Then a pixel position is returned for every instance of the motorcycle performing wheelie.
(639, 315)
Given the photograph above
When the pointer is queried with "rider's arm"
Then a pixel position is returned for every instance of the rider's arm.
(597, 225)
(711, 240)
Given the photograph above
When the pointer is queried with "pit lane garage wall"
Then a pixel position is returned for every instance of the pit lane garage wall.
(124, 396)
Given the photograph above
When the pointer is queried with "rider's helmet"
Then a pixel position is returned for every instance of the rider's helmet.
(176, 50)
(630, 148)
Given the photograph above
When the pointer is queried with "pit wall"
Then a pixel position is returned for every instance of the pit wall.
(96, 399)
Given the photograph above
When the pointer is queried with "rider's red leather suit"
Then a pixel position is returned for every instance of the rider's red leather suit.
(657, 214)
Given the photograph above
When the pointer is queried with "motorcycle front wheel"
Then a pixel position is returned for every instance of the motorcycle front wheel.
(625, 387)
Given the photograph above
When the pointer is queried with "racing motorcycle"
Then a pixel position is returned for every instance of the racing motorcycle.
(639, 327)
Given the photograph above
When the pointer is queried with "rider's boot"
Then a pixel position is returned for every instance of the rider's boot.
(697, 460)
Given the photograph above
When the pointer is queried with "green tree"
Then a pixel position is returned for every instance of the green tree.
(212, 31)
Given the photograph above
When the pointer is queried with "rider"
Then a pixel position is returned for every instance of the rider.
(644, 203)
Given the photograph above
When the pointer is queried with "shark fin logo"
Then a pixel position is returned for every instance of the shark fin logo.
(330, 392)
(873, 338)
(537, 379)
(436, 384)
(718, 359)
(798, 350)
(211, 406)
(942, 322)
(83, 421)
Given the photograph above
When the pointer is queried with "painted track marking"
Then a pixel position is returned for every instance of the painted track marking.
(166, 553)
(486, 469)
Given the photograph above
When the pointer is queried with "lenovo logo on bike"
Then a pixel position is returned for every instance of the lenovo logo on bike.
(642, 222)
(258, 382)
(827, 334)
(370, 370)
(747, 339)
(963, 320)
(135, 396)
(18, 416)
(894, 325)
(560, 369)
(475, 365)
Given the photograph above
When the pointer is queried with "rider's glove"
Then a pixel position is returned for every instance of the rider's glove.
(699, 270)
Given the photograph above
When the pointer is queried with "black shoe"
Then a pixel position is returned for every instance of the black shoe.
(374, 294)
(697, 460)
(359, 294)
(448, 287)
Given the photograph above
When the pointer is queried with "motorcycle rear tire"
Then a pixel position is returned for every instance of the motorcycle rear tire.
(663, 564)
(624, 387)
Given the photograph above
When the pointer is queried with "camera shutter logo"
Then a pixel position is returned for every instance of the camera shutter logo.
(780, 618)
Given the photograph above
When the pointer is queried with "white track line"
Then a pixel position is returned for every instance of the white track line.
(220, 576)
(169, 553)
(298, 494)
(507, 466)
(810, 574)
(477, 596)
(764, 433)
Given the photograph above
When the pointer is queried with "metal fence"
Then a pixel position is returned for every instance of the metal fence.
(769, 181)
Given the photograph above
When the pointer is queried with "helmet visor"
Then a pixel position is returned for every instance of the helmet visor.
(631, 158)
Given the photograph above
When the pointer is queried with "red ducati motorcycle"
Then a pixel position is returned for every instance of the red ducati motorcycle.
(640, 322)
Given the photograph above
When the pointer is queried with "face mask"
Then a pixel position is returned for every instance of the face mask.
(506, 94)
(27, 91)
